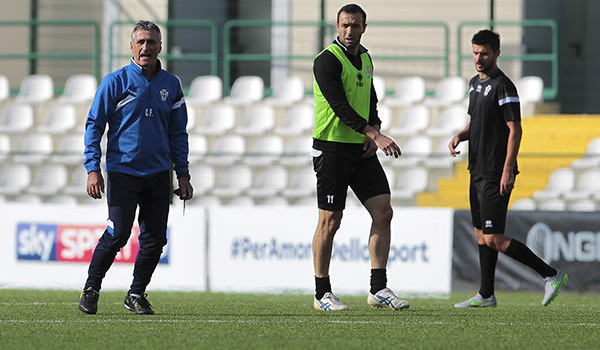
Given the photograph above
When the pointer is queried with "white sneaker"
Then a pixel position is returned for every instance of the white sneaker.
(387, 298)
(478, 301)
(329, 302)
(553, 285)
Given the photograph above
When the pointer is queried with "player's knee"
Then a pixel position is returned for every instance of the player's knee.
(383, 216)
(330, 224)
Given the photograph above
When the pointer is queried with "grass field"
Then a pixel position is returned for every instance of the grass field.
(32, 319)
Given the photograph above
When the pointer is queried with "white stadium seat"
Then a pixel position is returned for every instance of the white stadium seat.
(36, 88)
(530, 89)
(266, 150)
(14, 178)
(203, 178)
(79, 89)
(49, 180)
(297, 151)
(16, 118)
(204, 90)
(413, 120)
(219, 120)
(409, 90)
(524, 204)
(34, 149)
(380, 89)
(246, 90)
(59, 119)
(585, 185)
(408, 183)
(552, 204)
(299, 120)
(258, 120)
(227, 150)
(592, 156)
(4, 147)
(77, 183)
(4, 88)
(198, 148)
(236, 180)
(286, 92)
(70, 150)
(303, 183)
(414, 151)
(452, 119)
(560, 181)
(448, 90)
(269, 182)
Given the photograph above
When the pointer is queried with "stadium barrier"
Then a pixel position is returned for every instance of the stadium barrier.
(248, 249)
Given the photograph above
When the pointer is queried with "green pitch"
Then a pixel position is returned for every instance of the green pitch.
(32, 319)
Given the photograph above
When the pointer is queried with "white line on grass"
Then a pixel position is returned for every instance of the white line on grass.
(290, 321)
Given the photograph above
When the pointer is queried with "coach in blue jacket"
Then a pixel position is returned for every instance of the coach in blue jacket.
(146, 115)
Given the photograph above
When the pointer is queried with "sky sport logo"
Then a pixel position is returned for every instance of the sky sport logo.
(70, 243)
(581, 246)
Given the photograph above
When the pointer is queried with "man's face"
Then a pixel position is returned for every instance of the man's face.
(485, 59)
(145, 48)
(350, 29)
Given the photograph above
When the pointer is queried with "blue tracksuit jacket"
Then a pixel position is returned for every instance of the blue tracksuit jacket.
(146, 123)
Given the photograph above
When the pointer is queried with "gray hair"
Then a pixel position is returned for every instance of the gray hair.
(145, 25)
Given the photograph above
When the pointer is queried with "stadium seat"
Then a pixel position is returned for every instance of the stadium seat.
(79, 89)
(4, 88)
(530, 89)
(49, 180)
(63, 199)
(227, 150)
(412, 121)
(191, 118)
(409, 90)
(552, 204)
(441, 158)
(203, 178)
(449, 90)
(204, 90)
(524, 204)
(34, 149)
(14, 178)
(303, 183)
(414, 152)
(204, 201)
(28, 199)
(266, 150)
(269, 182)
(385, 115)
(297, 151)
(198, 147)
(585, 185)
(582, 205)
(59, 119)
(305, 201)
(408, 182)
(236, 180)
(240, 201)
(286, 92)
(246, 90)
(592, 156)
(380, 89)
(258, 120)
(219, 120)
(4, 147)
(70, 150)
(36, 88)
(560, 181)
(299, 120)
(77, 183)
(451, 120)
(273, 202)
(16, 118)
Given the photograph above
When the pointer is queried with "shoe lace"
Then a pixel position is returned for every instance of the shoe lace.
(143, 302)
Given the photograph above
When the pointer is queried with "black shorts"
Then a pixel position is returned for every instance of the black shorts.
(338, 170)
(488, 207)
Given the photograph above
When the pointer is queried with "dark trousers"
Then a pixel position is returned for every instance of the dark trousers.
(124, 193)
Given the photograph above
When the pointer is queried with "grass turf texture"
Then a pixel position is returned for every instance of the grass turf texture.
(44, 319)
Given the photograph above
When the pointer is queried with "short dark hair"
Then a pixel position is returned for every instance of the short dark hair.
(145, 25)
(487, 37)
(352, 8)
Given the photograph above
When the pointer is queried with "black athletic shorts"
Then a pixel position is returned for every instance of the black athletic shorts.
(336, 170)
(488, 207)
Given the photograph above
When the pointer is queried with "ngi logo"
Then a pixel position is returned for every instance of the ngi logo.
(582, 246)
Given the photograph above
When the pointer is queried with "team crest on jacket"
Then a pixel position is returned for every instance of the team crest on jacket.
(487, 90)
(164, 94)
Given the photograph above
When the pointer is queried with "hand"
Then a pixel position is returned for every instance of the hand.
(452, 146)
(95, 184)
(369, 148)
(507, 182)
(187, 191)
(387, 145)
